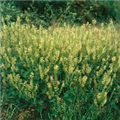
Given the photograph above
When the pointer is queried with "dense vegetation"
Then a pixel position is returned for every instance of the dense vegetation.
(69, 71)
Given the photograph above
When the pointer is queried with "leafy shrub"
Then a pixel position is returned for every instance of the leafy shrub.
(62, 73)
(9, 11)
(77, 11)
(102, 11)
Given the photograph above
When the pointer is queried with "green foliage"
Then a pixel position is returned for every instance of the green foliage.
(63, 73)
(117, 10)
(9, 12)
(102, 11)
(67, 73)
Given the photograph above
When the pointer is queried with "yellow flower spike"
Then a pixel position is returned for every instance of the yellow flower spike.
(57, 53)
(83, 81)
(78, 72)
(13, 60)
(95, 102)
(56, 88)
(102, 24)
(103, 60)
(113, 59)
(51, 79)
(106, 80)
(108, 56)
(46, 71)
(58, 99)
(14, 68)
(36, 87)
(47, 93)
(10, 77)
(95, 83)
(94, 22)
(31, 75)
(71, 69)
(56, 67)
(2, 66)
(58, 82)
(104, 67)
(30, 49)
(49, 85)
(63, 84)
(88, 70)
(9, 50)
(50, 97)
(102, 98)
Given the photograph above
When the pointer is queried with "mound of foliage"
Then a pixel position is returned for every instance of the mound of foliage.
(65, 73)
